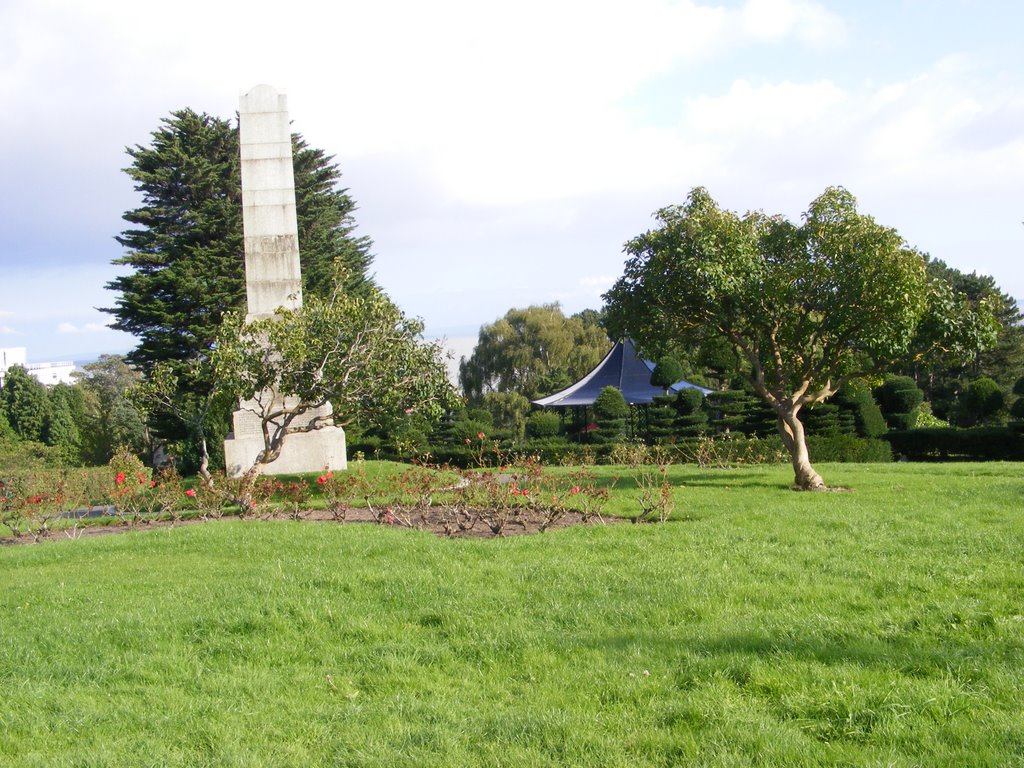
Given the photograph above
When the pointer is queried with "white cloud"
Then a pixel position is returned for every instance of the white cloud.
(775, 20)
(7, 330)
(85, 328)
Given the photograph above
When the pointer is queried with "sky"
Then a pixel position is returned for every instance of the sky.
(501, 154)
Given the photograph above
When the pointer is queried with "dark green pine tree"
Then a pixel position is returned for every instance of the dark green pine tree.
(185, 247)
(185, 250)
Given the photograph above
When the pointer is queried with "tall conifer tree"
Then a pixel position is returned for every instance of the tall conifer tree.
(185, 247)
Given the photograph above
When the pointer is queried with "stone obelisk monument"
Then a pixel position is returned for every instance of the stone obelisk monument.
(273, 279)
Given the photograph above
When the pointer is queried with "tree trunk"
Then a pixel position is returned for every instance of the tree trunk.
(792, 431)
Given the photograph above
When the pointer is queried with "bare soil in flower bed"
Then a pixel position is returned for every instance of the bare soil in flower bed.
(432, 520)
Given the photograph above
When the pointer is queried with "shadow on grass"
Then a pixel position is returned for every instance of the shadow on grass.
(725, 479)
(914, 655)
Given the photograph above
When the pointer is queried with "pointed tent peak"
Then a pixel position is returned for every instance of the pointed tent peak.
(621, 368)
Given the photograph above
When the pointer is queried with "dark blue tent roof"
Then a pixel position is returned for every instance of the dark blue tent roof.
(621, 368)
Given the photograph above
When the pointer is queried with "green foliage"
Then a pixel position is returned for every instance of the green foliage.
(26, 404)
(110, 419)
(844, 447)
(899, 399)
(739, 410)
(610, 404)
(856, 398)
(898, 394)
(952, 443)
(983, 402)
(1017, 409)
(825, 419)
(456, 436)
(7, 433)
(925, 417)
(66, 412)
(356, 351)
(610, 411)
(185, 250)
(666, 372)
(692, 413)
(509, 412)
(940, 373)
(659, 419)
(804, 307)
(534, 352)
(543, 424)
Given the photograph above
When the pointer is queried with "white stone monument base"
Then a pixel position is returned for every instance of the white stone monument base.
(314, 451)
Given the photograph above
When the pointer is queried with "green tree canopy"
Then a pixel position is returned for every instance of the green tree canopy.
(354, 350)
(945, 377)
(666, 372)
(111, 419)
(185, 249)
(26, 403)
(807, 307)
(534, 352)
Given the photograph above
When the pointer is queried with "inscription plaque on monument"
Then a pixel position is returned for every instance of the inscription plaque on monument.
(273, 278)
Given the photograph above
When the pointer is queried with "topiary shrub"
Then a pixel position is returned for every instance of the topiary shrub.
(610, 411)
(541, 424)
(691, 413)
(899, 398)
(848, 448)
(856, 399)
(824, 419)
(666, 373)
(659, 419)
(983, 402)
(952, 443)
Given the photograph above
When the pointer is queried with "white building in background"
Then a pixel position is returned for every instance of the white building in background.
(46, 373)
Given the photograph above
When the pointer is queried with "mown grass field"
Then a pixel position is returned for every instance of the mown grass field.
(882, 626)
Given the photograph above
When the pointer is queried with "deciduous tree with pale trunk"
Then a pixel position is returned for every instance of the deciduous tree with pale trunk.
(805, 307)
(358, 352)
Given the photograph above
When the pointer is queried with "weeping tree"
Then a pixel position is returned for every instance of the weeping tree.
(805, 307)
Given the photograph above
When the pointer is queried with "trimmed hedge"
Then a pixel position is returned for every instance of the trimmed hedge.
(848, 449)
(953, 443)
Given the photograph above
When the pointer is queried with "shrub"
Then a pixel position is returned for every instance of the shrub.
(630, 452)
(558, 451)
(610, 410)
(659, 419)
(856, 398)
(542, 424)
(731, 450)
(1017, 409)
(691, 413)
(983, 402)
(666, 373)
(509, 411)
(848, 448)
(825, 419)
(899, 398)
(944, 443)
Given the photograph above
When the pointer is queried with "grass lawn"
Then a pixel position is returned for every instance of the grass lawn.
(882, 626)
